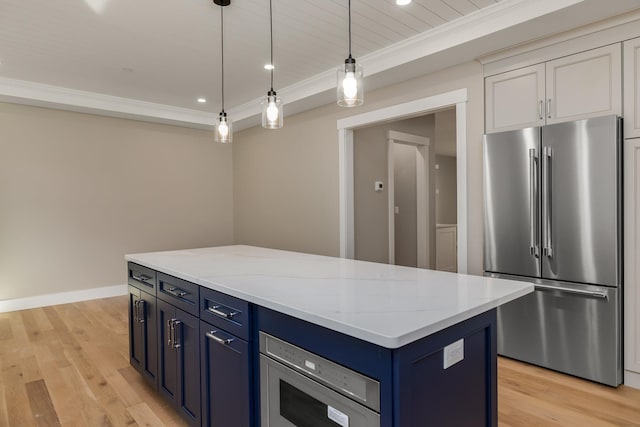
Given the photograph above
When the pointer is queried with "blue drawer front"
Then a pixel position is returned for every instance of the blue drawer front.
(226, 312)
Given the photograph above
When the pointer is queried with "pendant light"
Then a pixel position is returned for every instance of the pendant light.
(350, 84)
(223, 131)
(272, 115)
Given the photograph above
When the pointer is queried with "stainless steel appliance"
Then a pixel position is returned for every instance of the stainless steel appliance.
(553, 216)
(299, 388)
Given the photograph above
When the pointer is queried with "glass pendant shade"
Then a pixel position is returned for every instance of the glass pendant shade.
(350, 84)
(272, 115)
(224, 131)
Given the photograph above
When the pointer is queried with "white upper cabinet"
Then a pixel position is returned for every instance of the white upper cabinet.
(514, 100)
(632, 88)
(579, 86)
(588, 84)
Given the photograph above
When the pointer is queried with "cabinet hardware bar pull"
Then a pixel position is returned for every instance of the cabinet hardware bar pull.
(176, 292)
(540, 112)
(140, 308)
(135, 310)
(171, 330)
(597, 294)
(218, 339)
(177, 338)
(549, 108)
(220, 313)
(141, 278)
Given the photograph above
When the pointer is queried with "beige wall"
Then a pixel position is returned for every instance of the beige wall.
(286, 181)
(78, 191)
(371, 223)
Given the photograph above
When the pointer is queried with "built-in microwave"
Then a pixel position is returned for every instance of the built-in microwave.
(301, 389)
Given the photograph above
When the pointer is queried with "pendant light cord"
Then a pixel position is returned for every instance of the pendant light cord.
(222, 50)
(349, 28)
(271, 33)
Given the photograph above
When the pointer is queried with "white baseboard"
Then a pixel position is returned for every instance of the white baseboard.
(632, 379)
(62, 298)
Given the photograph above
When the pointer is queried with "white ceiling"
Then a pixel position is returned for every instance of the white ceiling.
(152, 58)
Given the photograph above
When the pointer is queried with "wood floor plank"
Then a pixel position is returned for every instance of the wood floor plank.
(5, 329)
(41, 404)
(530, 395)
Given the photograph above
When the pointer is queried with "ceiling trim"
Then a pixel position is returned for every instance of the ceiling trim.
(42, 95)
(502, 15)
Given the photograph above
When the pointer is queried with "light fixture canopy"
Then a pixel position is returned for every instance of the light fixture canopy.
(272, 112)
(350, 88)
(223, 126)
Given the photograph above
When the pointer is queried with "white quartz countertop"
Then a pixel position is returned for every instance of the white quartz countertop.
(387, 305)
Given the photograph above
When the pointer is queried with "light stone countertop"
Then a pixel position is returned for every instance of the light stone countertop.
(387, 305)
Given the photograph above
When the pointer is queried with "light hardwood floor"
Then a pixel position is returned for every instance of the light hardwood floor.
(68, 365)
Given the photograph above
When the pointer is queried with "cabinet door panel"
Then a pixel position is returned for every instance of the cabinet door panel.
(136, 339)
(150, 338)
(188, 365)
(587, 84)
(632, 254)
(632, 88)
(167, 357)
(514, 99)
(226, 374)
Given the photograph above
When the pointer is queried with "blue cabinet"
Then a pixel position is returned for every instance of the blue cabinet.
(179, 360)
(417, 389)
(143, 335)
(207, 361)
(226, 378)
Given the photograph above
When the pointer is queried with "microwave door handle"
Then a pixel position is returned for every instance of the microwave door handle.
(533, 204)
(546, 189)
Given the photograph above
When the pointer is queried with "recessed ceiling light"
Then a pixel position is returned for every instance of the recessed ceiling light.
(269, 66)
(202, 100)
(403, 2)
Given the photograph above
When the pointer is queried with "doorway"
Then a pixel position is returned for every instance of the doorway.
(346, 127)
(408, 199)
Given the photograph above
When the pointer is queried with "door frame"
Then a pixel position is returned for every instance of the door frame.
(458, 99)
(423, 220)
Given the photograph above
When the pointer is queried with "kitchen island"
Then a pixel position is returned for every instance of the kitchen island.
(423, 341)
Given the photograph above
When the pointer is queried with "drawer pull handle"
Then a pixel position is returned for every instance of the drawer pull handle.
(218, 339)
(215, 310)
(141, 278)
(177, 292)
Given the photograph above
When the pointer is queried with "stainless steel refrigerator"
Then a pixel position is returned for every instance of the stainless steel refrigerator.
(553, 216)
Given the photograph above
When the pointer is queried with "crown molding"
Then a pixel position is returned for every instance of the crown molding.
(302, 95)
(42, 95)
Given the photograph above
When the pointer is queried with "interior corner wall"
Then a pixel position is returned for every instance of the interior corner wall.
(286, 192)
(79, 191)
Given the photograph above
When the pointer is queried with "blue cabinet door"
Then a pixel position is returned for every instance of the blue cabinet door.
(179, 360)
(226, 376)
(142, 334)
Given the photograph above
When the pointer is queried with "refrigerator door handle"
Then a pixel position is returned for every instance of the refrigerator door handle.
(533, 204)
(546, 196)
(596, 294)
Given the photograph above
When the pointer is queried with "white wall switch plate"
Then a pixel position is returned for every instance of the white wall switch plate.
(453, 353)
